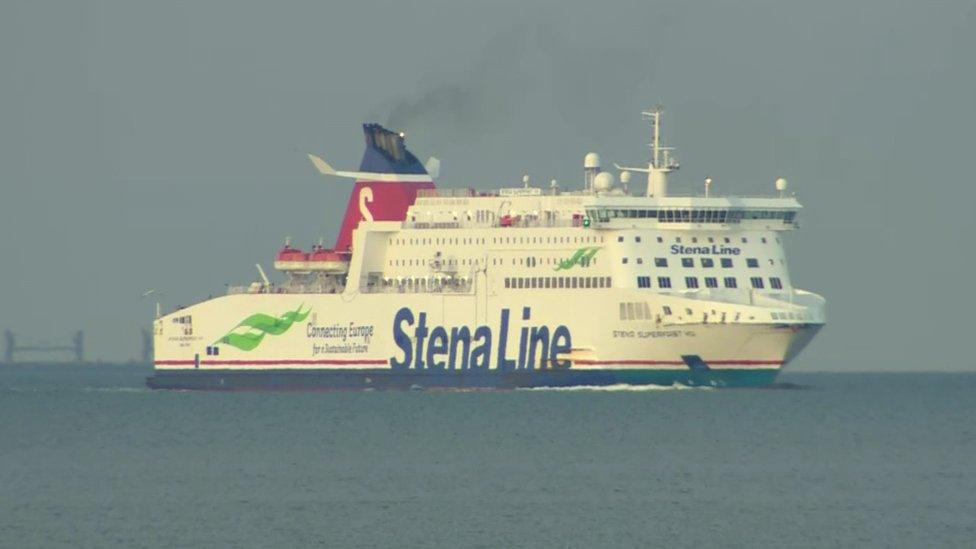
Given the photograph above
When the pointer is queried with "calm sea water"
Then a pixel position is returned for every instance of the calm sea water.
(90, 458)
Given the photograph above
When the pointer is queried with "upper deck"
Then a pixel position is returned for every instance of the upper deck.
(529, 207)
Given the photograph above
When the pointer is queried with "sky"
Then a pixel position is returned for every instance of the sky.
(161, 145)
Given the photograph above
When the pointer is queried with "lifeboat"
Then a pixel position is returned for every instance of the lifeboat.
(328, 261)
(291, 259)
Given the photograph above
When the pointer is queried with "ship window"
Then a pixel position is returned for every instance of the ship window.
(711, 282)
(508, 282)
(630, 311)
(643, 282)
(687, 262)
(775, 283)
(727, 241)
(730, 282)
(752, 262)
(691, 282)
(710, 239)
(745, 240)
(667, 310)
(707, 262)
(757, 282)
(623, 311)
(640, 260)
(663, 282)
(660, 240)
(660, 262)
(625, 261)
(764, 240)
(694, 240)
(521, 283)
(677, 239)
(726, 263)
(574, 281)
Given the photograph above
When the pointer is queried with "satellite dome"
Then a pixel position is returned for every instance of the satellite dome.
(603, 181)
(625, 177)
(781, 184)
(591, 160)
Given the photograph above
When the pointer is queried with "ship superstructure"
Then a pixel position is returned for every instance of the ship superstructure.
(521, 286)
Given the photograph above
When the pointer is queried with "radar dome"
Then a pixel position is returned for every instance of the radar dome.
(603, 181)
(625, 177)
(781, 184)
(591, 160)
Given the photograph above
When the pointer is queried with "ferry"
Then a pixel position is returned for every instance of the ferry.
(608, 282)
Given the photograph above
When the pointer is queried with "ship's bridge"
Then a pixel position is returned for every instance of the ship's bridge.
(676, 212)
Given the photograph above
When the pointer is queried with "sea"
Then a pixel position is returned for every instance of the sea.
(91, 458)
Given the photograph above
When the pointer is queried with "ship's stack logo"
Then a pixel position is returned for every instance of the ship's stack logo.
(581, 257)
(247, 335)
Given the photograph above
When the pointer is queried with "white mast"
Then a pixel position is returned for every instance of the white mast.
(661, 163)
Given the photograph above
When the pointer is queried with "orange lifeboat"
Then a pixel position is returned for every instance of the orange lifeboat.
(328, 261)
(291, 259)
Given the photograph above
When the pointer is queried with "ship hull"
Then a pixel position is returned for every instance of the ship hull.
(332, 342)
(385, 379)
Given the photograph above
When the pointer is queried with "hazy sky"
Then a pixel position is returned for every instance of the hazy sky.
(161, 144)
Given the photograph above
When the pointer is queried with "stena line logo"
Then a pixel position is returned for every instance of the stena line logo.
(438, 348)
(705, 250)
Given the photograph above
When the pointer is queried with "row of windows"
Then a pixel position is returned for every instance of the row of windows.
(497, 261)
(691, 282)
(497, 240)
(558, 282)
(706, 262)
(693, 216)
(694, 239)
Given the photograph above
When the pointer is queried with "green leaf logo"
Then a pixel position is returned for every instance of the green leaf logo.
(582, 256)
(247, 335)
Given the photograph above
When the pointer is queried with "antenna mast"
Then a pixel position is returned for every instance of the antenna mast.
(661, 162)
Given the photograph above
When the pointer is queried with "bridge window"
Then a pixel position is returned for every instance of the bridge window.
(726, 263)
(687, 262)
(752, 262)
(730, 282)
(663, 282)
(660, 262)
(711, 282)
(691, 282)
(757, 282)
(707, 262)
(643, 282)
(775, 283)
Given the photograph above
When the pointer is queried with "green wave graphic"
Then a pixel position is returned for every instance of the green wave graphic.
(581, 256)
(259, 325)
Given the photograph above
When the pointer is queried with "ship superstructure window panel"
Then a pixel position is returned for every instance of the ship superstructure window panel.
(752, 263)
(660, 262)
(711, 282)
(730, 282)
(726, 263)
(775, 283)
(687, 262)
(757, 282)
